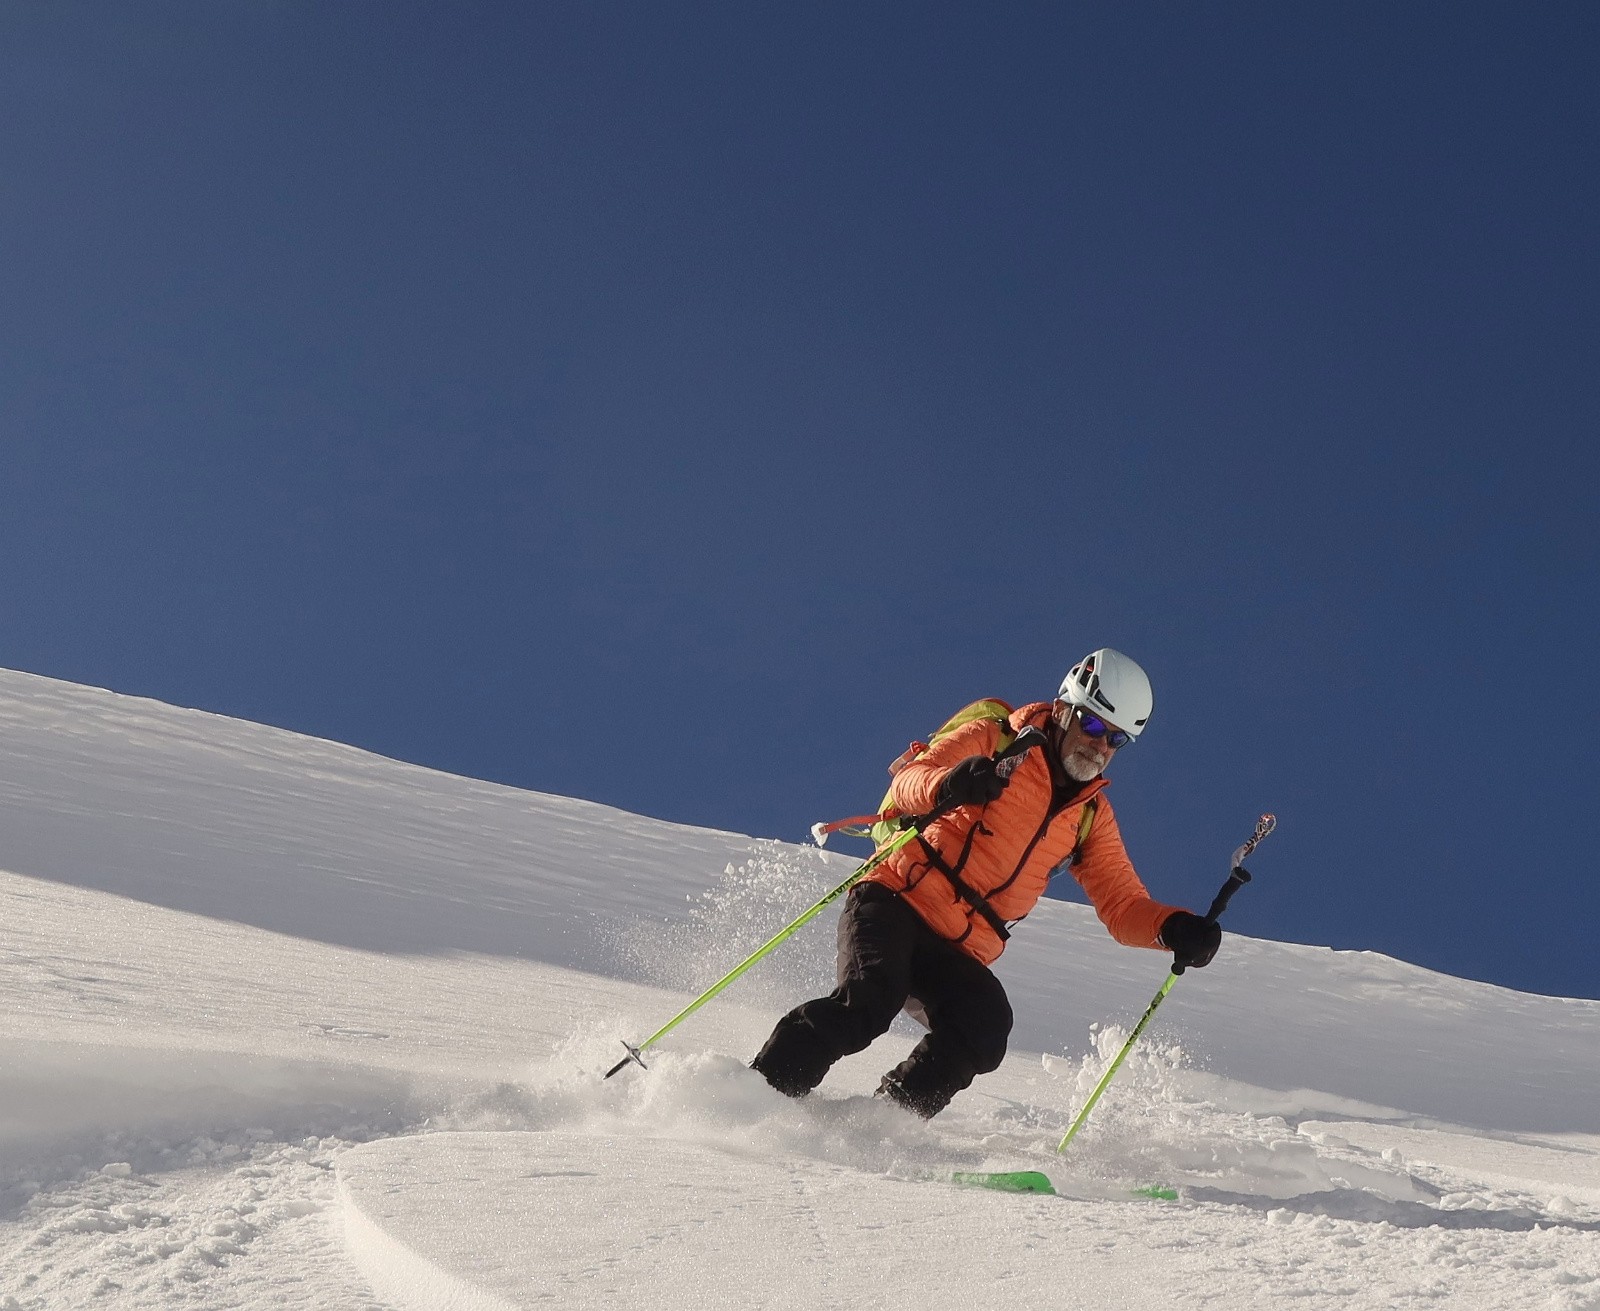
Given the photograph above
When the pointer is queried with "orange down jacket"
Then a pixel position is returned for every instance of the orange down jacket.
(1006, 850)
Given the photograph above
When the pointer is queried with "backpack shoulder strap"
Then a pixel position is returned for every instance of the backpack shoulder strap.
(1085, 823)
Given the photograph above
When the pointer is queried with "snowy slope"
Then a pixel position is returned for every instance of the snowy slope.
(286, 1024)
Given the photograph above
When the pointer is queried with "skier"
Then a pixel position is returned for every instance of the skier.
(921, 931)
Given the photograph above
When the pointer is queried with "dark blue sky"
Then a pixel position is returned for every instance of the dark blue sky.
(684, 406)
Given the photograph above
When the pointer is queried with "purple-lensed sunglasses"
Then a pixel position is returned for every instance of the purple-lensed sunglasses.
(1094, 726)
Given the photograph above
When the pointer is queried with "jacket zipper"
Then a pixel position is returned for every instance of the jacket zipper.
(1052, 812)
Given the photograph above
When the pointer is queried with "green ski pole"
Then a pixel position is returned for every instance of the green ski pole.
(1236, 880)
(878, 857)
(1029, 737)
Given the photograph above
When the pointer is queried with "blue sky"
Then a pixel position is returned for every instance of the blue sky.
(683, 407)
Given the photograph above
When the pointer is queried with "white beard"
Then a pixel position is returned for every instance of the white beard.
(1081, 767)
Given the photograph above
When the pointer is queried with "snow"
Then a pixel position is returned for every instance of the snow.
(285, 1024)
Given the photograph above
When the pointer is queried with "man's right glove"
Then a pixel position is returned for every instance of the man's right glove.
(974, 782)
(1191, 940)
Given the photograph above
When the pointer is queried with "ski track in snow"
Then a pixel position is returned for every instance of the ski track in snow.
(237, 1223)
(283, 1024)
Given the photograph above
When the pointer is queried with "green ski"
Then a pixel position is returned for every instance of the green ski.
(1034, 1181)
(1007, 1181)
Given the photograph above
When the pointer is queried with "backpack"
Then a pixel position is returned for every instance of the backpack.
(889, 821)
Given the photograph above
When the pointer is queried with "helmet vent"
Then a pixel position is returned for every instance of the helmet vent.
(1112, 685)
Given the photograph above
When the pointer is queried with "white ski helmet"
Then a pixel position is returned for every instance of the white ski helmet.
(1110, 684)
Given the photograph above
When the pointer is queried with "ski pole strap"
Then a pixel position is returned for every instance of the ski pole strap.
(1239, 876)
(1264, 826)
(1026, 740)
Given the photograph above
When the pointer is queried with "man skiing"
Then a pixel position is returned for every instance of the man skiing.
(921, 931)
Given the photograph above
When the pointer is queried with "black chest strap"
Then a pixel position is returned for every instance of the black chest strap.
(965, 890)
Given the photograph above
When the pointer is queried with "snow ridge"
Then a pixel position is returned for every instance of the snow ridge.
(286, 1024)
(400, 1274)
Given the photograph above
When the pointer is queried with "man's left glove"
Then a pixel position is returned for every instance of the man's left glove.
(1191, 940)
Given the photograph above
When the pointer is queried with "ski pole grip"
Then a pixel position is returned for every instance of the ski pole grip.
(1236, 880)
(1025, 741)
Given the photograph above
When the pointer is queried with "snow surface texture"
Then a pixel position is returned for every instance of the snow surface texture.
(288, 1025)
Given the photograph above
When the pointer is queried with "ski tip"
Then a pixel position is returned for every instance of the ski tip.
(819, 834)
(1006, 1181)
(1160, 1192)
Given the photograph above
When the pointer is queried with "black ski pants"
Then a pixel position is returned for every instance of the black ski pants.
(887, 955)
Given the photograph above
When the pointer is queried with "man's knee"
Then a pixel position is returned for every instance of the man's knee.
(810, 1038)
(989, 1049)
(871, 1002)
(985, 1030)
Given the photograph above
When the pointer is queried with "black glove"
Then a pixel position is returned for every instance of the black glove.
(974, 782)
(1191, 940)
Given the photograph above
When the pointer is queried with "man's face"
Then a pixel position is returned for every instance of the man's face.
(1083, 757)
